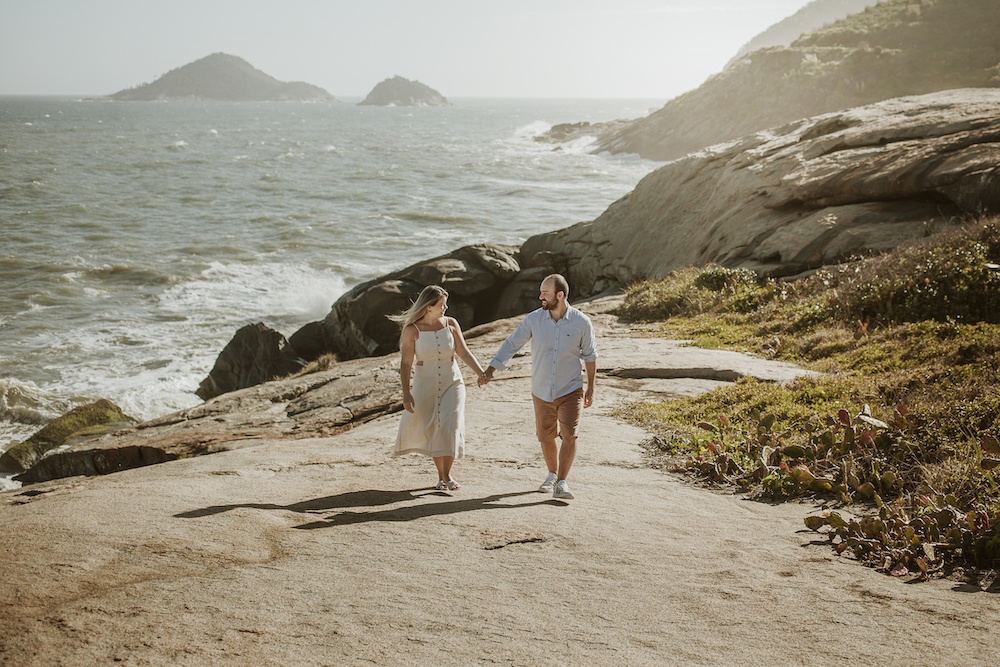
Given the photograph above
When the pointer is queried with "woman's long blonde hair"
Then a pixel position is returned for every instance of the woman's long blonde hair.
(427, 298)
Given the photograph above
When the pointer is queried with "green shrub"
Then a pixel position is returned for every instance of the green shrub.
(906, 412)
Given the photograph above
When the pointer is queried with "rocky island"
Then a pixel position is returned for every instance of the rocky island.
(226, 78)
(400, 92)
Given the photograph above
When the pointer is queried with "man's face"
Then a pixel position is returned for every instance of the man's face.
(547, 295)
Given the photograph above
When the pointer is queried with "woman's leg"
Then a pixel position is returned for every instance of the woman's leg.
(444, 464)
(443, 472)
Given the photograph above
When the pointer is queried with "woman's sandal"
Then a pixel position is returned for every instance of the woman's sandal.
(441, 485)
(453, 485)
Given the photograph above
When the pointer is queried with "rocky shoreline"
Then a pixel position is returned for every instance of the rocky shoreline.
(289, 545)
(783, 202)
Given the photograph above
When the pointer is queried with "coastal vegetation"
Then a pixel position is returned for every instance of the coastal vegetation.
(897, 432)
(894, 48)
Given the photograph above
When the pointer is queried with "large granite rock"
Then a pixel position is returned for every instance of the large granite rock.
(797, 197)
(474, 276)
(315, 405)
(256, 354)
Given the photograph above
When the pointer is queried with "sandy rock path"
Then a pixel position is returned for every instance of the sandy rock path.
(331, 552)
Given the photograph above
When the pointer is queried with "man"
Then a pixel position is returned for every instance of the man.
(561, 338)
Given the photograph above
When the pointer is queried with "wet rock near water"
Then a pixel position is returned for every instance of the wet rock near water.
(257, 353)
(85, 420)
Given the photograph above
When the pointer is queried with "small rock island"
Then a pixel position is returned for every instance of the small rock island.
(401, 92)
(222, 77)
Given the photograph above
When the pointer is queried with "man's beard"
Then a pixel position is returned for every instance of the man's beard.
(546, 305)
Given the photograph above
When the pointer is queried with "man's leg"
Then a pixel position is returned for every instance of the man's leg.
(566, 455)
(568, 413)
(546, 428)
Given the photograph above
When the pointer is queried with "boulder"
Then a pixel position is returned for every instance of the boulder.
(521, 294)
(311, 341)
(797, 197)
(256, 354)
(54, 434)
(474, 277)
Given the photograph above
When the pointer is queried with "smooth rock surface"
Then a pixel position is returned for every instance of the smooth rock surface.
(798, 197)
(326, 550)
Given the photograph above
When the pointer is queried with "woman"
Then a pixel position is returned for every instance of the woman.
(434, 420)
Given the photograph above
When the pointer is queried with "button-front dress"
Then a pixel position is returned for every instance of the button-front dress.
(436, 427)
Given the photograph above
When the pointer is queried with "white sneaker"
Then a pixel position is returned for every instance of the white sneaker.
(548, 484)
(562, 491)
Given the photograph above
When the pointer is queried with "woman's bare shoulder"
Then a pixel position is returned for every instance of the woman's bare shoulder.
(411, 332)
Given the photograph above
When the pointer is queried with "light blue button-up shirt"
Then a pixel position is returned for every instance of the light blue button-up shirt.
(558, 350)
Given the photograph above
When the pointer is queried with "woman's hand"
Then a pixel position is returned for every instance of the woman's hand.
(408, 401)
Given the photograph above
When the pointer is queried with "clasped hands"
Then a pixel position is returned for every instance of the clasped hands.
(485, 377)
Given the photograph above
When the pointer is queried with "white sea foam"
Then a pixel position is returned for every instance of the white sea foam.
(532, 130)
(7, 482)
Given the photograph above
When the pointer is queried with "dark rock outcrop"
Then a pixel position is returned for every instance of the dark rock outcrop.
(798, 197)
(256, 354)
(562, 133)
(101, 413)
(474, 276)
(893, 49)
(225, 78)
(400, 92)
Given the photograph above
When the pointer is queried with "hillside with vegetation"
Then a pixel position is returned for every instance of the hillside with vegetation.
(815, 15)
(899, 432)
(892, 49)
(222, 77)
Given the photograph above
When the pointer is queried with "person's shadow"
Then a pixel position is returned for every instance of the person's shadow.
(377, 498)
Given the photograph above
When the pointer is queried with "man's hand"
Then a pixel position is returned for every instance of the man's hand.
(588, 396)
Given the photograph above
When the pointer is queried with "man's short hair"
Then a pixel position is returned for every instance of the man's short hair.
(560, 283)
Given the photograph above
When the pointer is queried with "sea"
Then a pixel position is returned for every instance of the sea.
(137, 237)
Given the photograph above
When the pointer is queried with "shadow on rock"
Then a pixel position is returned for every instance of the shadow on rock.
(367, 498)
(435, 509)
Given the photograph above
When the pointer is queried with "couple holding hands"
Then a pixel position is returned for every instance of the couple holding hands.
(562, 346)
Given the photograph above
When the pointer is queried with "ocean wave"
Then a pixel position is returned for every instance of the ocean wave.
(532, 130)
(258, 290)
(125, 274)
(26, 403)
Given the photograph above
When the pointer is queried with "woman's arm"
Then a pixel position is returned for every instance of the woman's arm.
(407, 350)
(462, 350)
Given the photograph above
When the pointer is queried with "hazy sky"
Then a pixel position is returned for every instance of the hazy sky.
(462, 48)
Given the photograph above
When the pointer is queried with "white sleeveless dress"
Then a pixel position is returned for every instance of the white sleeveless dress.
(436, 427)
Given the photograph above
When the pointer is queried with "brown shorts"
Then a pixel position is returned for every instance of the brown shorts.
(560, 417)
